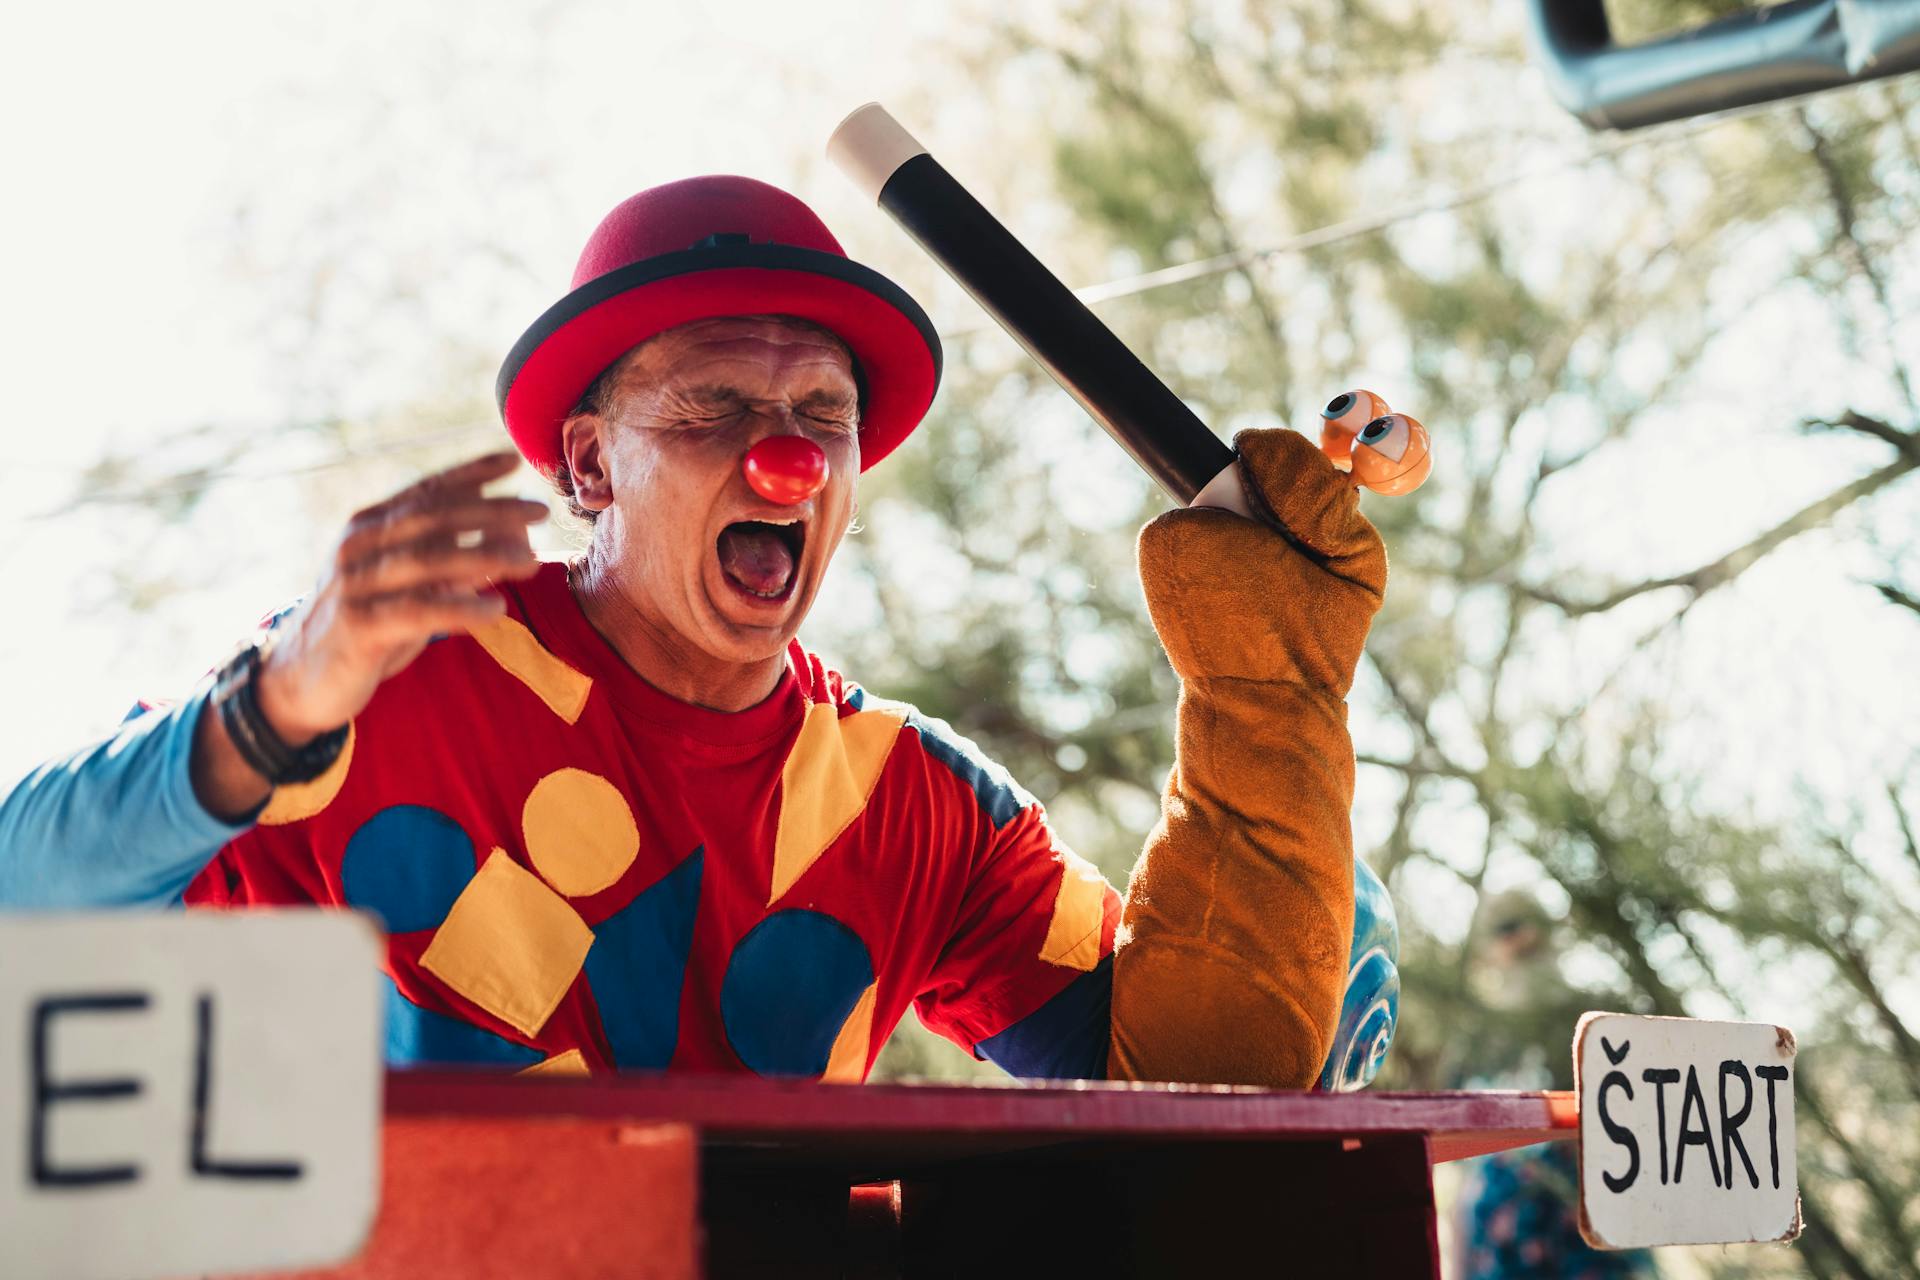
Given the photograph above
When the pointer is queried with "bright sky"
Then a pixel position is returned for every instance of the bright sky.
(143, 136)
(175, 172)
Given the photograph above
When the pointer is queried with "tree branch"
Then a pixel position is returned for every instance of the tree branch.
(1907, 442)
(1906, 1048)
(1398, 847)
(1906, 823)
(1731, 565)
(1894, 595)
(1884, 1200)
(1847, 215)
(1226, 244)
(1822, 1240)
(1417, 768)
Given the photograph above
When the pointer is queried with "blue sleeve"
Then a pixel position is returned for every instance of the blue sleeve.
(113, 824)
(1065, 1038)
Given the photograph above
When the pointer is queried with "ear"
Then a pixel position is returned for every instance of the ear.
(580, 441)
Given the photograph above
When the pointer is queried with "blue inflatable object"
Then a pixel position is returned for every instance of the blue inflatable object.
(1371, 1007)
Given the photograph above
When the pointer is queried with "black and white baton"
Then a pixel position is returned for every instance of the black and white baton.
(1124, 396)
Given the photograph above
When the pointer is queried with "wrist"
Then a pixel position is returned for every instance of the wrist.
(229, 789)
(236, 696)
(273, 695)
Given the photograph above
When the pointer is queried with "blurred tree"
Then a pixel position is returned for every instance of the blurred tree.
(1670, 380)
(1653, 364)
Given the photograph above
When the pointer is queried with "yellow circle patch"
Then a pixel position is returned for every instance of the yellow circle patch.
(579, 831)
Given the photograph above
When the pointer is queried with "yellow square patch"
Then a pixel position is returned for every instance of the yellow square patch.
(511, 945)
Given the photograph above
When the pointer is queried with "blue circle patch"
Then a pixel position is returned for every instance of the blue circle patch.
(789, 987)
(408, 863)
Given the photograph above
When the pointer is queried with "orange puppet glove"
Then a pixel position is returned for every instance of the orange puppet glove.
(1233, 954)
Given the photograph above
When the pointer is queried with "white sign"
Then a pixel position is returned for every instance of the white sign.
(1686, 1131)
(187, 1092)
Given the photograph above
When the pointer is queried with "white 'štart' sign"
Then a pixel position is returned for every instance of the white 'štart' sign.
(187, 1093)
(1686, 1131)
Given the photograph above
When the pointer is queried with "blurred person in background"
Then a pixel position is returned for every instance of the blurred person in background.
(1518, 1213)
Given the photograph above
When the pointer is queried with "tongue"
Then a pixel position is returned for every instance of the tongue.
(756, 557)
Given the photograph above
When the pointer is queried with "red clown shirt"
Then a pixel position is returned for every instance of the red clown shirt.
(579, 872)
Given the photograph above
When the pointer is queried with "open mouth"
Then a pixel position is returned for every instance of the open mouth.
(762, 558)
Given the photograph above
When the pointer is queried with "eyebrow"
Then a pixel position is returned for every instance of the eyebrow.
(841, 401)
(716, 394)
(722, 395)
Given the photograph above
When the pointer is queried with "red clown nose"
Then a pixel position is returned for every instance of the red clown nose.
(785, 469)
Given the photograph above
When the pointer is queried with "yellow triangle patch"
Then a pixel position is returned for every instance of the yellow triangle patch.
(1079, 914)
(847, 1063)
(570, 1063)
(825, 783)
(510, 644)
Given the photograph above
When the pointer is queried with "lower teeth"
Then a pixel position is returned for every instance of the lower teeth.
(756, 559)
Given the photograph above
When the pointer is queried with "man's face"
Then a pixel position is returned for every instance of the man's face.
(699, 552)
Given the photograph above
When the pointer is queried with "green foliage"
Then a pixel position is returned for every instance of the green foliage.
(1635, 21)
(1516, 719)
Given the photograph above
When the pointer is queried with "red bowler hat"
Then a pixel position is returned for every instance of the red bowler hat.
(717, 246)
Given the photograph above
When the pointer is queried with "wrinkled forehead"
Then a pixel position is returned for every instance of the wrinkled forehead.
(786, 343)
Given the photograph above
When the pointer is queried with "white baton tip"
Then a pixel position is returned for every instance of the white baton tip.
(869, 145)
(1225, 491)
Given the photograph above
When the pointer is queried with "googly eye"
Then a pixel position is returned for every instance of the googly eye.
(1343, 418)
(1389, 435)
(1392, 454)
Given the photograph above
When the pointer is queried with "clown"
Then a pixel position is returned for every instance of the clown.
(614, 815)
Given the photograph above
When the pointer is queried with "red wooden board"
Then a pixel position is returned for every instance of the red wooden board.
(493, 1198)
(749, 1118)
(489, 1175)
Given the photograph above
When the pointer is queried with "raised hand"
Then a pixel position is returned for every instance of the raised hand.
(1239, 917)
(407, 569)
(417, 565)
